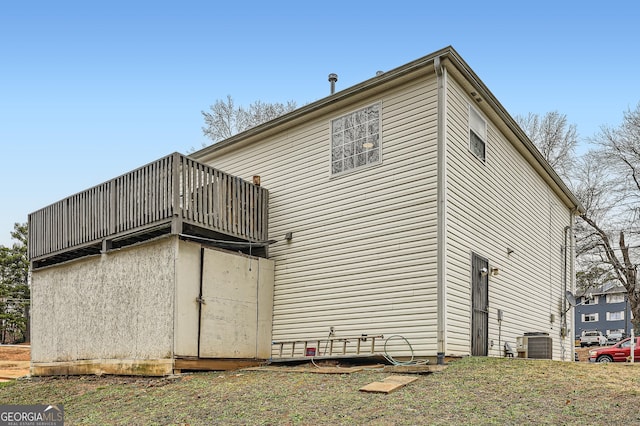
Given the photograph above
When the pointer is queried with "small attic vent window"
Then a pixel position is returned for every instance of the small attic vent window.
(477, 134)
(355, 139)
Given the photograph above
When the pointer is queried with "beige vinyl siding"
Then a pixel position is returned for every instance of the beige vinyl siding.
(362, 257)
(493, 206)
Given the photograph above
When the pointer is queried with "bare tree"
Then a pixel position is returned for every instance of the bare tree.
(606, 180)
(260, 112)
(225, 119)
(620, 151)
(221, 122)
(609, 189)
(554, 137)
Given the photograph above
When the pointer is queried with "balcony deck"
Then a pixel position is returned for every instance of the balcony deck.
(171, 195)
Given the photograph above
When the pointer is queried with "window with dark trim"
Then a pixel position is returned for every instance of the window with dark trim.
(477, 134)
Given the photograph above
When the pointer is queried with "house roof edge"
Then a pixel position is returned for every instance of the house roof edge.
(475, 81)
(445, 53)
(323, 102)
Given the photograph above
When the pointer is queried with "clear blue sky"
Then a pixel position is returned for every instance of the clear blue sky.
(90, 90)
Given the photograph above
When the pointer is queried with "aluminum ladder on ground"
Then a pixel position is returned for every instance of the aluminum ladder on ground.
(331, 347)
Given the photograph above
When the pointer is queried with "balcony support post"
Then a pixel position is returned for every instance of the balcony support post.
(176, 207)
(107, 245)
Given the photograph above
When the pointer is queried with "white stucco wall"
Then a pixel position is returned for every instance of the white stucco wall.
(115, 306)
(126, 307)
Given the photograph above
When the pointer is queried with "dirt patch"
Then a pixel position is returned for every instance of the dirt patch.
(15, 353)
(14, 361)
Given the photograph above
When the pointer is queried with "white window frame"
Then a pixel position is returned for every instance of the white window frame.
(477, 128)
(618, 314)
(585, 317)
(356, 140)
(615, 298)
(592, 301)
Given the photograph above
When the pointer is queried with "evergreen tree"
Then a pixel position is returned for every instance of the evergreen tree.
(14, 288)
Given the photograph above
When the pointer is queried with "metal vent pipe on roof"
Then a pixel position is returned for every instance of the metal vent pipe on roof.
(332, 79)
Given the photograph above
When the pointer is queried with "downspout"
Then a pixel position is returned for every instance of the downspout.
(441, 80)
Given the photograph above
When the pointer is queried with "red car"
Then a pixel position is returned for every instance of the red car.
(616, 353)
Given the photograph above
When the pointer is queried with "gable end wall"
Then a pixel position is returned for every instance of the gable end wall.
(362, 257)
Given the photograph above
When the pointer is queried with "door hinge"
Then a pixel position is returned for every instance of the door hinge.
(200, 300)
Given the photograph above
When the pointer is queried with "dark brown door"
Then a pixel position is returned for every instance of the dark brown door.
(480, 303)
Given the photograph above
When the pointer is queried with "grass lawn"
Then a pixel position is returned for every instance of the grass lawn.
(472, 391)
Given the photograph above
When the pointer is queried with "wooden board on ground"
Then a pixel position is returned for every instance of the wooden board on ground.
(10, 370)
(414, 369)
(314, 370)
(389, 384)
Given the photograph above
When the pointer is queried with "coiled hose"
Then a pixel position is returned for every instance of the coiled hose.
(393, 361)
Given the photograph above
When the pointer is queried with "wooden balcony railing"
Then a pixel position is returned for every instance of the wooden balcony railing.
(173, 191)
